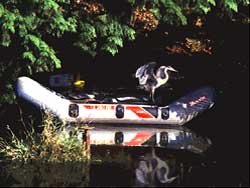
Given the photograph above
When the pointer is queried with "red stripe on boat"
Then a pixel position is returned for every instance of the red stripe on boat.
(139, 111)
(139, 139)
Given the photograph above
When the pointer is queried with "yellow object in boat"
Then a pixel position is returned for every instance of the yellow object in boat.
(79, 84)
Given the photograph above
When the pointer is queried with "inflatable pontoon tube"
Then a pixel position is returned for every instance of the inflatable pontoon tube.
(176, 113)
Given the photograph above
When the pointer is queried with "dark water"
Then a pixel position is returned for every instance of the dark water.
(225, 163)
(117, 169)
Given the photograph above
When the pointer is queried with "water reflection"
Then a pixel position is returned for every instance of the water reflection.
(121, 156)
(44, 175)
(160, 155)
(151, 169)
(168, 137)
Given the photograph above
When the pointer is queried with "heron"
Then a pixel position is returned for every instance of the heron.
(151, 79)
(151, 167)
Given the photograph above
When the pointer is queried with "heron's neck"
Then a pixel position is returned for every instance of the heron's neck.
(162, 81)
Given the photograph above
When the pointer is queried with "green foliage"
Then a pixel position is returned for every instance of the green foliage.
(54, 144)
(173, 10)
(232, 4)
(35, 46)
(24, 26)
(27, 27)
(105, 34)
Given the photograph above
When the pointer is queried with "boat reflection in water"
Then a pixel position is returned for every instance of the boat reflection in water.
(169, 137)
(158, 155)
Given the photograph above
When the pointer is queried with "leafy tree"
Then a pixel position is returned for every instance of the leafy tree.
(26, 27)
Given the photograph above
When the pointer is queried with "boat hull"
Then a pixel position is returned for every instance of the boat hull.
(176, 113)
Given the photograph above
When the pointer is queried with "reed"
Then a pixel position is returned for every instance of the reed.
(55, 144)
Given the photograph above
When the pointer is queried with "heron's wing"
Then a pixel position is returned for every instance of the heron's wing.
(141, 176)
(145, 69)
(143, 79)
(144, 72)
(140, 71)
(140, 74)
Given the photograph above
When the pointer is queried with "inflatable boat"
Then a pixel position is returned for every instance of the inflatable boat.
(116, 110)
(178, 138)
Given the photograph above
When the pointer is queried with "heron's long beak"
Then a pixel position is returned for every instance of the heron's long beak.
(172, 69)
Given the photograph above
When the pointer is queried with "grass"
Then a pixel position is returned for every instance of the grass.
(55, 157)
(54, 144)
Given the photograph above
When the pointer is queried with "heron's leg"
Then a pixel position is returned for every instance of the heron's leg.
(152, 95)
